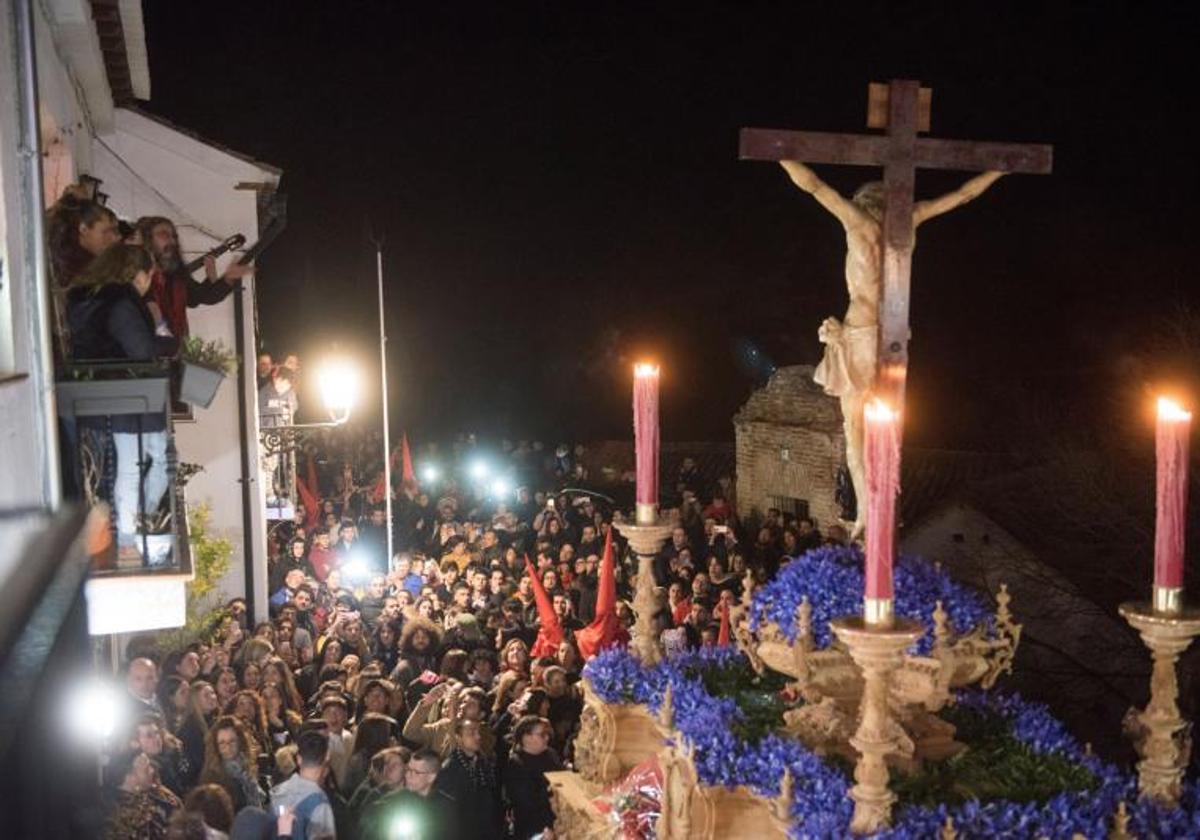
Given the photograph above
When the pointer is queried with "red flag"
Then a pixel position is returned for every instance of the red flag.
(379, 491)
(550, 635)
(408, 476)
(311, 469)
(723, 633)
(605, 629)
(308, 495)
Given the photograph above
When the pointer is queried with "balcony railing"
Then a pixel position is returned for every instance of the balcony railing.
(119, 443)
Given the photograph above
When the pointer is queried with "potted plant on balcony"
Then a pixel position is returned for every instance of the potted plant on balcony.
(205, 365)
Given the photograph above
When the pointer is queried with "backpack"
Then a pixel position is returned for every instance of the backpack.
(304, 811)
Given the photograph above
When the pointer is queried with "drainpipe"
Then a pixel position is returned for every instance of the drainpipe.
(269, 204)
(36, 296)
(248, 469)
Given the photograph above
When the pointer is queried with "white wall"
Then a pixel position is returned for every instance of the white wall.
(193, 184)
(23, 451)
(21, 458)
(72, 84)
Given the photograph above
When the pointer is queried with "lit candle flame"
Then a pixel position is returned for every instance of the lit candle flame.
(1168, 409)
(645, 369)
(878, 411)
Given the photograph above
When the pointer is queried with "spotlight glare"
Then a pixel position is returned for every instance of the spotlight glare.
(93, 711)
(355, 569)
(431, 473)
(478, 470)
(403, 827)
(499, 488)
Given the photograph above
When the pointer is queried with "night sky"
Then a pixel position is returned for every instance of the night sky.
(559, 193)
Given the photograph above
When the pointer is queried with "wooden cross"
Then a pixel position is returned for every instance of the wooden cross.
(902, 108)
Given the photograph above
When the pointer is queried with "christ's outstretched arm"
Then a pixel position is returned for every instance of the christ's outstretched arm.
(925, 210)
(829, 198)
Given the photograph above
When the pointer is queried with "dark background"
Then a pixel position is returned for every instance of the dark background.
(559, 192)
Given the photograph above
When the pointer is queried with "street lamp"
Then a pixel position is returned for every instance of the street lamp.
(337, 380)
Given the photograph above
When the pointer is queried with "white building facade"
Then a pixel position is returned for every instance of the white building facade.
(90, 66)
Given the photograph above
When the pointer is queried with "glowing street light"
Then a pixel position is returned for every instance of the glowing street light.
(338, 381)
(430, 473)
(500, 488)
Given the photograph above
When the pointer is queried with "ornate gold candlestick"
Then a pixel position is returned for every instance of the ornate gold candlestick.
(878, 651)
(646, 537)
(1161, 742)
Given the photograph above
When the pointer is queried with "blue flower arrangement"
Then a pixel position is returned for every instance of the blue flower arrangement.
(832, 579)
(821, 806)
(820, 801)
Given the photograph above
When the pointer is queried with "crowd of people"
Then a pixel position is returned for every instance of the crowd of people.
(420, 686)
(121, 294)
(427, 694)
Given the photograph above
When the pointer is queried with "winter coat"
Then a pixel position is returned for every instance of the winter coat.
(473, 786)
(527, 789)
(113, 323)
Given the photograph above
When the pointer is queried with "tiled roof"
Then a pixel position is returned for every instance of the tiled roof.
(111, 32)
(930, 478)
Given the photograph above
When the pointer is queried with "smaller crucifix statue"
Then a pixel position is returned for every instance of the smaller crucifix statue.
(867, 351)
(851, 359)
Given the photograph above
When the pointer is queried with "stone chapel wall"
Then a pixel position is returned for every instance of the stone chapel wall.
(790, 447)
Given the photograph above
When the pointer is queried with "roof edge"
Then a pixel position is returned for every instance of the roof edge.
(267, 168)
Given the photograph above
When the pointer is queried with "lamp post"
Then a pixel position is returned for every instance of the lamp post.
(383, 389)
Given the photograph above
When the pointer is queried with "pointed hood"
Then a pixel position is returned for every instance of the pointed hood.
(550, 634)
(605, 630)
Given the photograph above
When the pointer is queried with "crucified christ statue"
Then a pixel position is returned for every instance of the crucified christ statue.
(848, 368)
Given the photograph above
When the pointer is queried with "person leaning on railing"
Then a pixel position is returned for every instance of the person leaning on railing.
(108, 319)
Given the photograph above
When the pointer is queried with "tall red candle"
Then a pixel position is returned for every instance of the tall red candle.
(645, 433)
(1171, 446)
(882, 454)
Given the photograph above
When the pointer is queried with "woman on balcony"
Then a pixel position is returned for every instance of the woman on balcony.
(78, 230)
(108, 319)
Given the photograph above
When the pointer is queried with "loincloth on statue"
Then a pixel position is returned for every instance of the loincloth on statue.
(851, 354)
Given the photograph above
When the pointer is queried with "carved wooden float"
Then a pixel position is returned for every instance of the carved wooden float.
(832, 685)
(615, 738)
